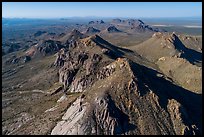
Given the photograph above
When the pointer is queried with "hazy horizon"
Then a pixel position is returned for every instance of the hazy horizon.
(52, 10)
(189, 17)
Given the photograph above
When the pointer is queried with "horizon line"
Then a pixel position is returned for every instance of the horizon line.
(93, 17)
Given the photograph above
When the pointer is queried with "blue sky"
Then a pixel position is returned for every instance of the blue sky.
(101, 9)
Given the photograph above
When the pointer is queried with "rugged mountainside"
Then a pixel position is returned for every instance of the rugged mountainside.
(171, 45)
(48, 47)
(124, 106)
(160, 44)
(174, 58)
(105, 89)
(119, 96)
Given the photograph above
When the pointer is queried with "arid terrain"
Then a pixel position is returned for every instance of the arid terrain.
(100, 77)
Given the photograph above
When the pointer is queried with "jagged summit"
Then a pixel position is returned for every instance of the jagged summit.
(96, 22)
(103, 110)
(95, 38)
(135, 24)
(169, 53)
(72, 36)
(45, 47)
(166, 44)
(165, 35)
(112, 29)
(175, 41)
(127, 21)
(92, 30)
(118, 94)
(75, 34)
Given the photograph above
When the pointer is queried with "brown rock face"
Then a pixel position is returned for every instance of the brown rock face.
(74, 35)
(101, 117)
(79, 66)
(69, 70)
(49, 47)
(92, 30)
(110, 119)
(66, 76)
(92, 63)
(60, 59)
(81, 83)
(178, 114)
(106, 71)
(112, 29)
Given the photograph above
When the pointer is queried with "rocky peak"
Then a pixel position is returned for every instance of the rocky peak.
(96, 22)
(92, 30)
(74, 35)
(95, 37)
(49, 47)
(96, 111)
(119, 64)
(93, 40)
(112, 29)
(173, 36)
(102, 22)
(60, 59)
(168, 37)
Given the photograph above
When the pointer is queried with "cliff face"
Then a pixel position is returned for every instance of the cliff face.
(119, 96)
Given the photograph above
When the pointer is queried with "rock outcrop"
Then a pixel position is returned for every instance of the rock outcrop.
(178, 114)
(92, 64)
(60, 59)
(106, 71)
(92, 30)
(74, 60)
(112, 29)
(49, 47)
(70, 124)
(74, 35)
(119, 96)
(100, 117)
